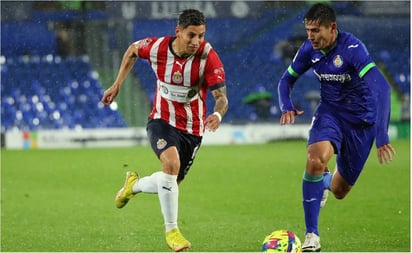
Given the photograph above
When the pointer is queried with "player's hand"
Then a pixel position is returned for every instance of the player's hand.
(110, 94)
(212, 122)
(289, 117)
(386, 153)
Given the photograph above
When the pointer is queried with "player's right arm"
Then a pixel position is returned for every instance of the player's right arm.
(129, 59)
(285, 102)
(299, 65)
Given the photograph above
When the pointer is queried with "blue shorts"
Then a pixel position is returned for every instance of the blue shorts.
(352, 144)
(162, 135)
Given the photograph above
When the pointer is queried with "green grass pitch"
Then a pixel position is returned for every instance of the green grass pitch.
(62, 200)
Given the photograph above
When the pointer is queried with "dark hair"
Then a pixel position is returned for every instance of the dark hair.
(322, 13)
(191, 17)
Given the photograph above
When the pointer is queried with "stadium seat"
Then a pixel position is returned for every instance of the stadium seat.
(52, 93)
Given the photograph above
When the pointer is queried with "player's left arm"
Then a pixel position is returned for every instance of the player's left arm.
(382, 91)
(220, 108)
(216, 81)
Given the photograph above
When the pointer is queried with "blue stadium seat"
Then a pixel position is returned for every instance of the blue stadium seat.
(52, 93)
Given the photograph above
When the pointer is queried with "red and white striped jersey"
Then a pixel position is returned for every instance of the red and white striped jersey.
(176, 99)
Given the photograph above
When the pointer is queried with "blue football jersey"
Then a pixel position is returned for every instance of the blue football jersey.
(340, 73)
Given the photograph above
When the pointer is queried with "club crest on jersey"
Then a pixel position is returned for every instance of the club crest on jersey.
(177, 77)
(338, 61)
(161, 143)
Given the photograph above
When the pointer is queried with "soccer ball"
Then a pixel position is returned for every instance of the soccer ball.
(281, 241)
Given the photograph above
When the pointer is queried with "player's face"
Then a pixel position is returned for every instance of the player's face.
(322, 37)
(190, 38)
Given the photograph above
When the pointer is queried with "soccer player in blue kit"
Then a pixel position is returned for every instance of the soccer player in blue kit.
(354, 110)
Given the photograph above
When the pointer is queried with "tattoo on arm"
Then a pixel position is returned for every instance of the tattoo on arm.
(221, 102)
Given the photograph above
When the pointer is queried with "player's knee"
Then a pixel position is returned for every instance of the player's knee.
(171, 167)
(318, 156)
(315, 165)
(170, 161)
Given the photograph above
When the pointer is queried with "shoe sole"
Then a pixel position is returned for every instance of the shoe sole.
(182, 248)
(311, 250)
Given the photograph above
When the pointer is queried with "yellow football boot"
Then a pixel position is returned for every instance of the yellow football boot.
(176, 241)
(126, 192)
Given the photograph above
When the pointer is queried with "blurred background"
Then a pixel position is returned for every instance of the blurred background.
(57, 57)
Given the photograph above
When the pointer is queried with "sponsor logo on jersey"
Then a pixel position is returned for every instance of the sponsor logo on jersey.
(180, 64)
(341, 78)
(219, 70)
(315, 60)
(191, 93)
(164, 89)
(338, 61)
(143, 43)
(161, 143)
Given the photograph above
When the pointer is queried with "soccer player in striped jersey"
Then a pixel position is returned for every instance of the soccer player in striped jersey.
(354, 110)
(186, 67)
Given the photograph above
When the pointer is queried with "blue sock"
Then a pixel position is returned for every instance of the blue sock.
(327, 180)
(312, 189)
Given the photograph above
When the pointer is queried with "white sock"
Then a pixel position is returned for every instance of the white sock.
(168, 192)
(147, 184)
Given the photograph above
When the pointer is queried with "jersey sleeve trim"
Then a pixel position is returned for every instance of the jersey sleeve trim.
(217, 86)
(366, 69)
(292, 72)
